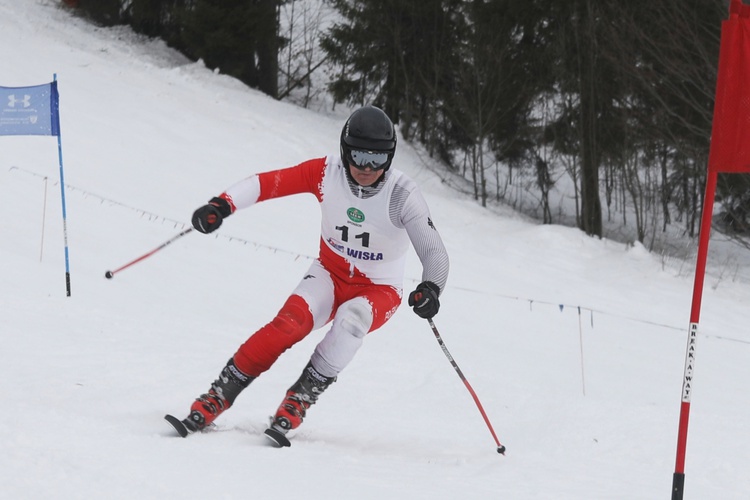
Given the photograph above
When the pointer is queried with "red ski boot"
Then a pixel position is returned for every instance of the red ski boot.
(299, 398)
(219, 397)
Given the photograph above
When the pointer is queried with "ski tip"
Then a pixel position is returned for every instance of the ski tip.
(276, 438)
(177, 424)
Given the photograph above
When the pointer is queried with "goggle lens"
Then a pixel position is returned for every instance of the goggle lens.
(373, 159)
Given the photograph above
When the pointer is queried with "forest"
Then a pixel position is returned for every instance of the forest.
(593, 113)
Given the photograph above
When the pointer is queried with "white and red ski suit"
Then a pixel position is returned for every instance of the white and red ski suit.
(356, 281)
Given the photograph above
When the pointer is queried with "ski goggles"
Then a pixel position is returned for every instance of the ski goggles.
(373, 159)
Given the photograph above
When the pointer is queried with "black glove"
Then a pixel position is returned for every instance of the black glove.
(208, 218)
(424, 299)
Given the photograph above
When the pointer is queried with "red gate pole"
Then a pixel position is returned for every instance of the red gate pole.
(729, 152)
(678, 479)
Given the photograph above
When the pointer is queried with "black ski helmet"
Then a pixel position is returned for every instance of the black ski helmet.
(368, 129)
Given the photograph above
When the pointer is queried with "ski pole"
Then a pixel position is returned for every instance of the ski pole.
(500, 447)
(110, 274)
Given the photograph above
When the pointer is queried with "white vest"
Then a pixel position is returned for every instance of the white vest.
(360, 230)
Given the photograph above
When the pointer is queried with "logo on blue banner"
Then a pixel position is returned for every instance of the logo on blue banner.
(29, 110)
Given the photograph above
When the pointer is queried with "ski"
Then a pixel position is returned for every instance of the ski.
(182, 429)
(277, 438)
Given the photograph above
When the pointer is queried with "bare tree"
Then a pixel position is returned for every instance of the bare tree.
(302, 25)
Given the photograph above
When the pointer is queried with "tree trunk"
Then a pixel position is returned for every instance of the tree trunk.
(591, 207)
(268, 48)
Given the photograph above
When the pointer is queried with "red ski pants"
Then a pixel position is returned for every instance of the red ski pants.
(319, 298)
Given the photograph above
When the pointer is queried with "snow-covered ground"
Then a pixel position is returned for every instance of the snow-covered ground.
(575, 346)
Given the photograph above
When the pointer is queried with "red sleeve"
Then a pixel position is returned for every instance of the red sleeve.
(306, 177)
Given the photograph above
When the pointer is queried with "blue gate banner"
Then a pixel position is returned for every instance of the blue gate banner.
(30, 110)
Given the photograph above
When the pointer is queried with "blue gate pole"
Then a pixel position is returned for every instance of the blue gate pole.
(62, 193)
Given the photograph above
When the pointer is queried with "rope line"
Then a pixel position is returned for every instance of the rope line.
(152, 216)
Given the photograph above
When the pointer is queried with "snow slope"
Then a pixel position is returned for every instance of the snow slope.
(575, 346)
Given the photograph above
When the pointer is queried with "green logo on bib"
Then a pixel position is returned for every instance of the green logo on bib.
(355, 215)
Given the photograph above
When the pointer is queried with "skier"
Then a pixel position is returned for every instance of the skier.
(370, 213)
